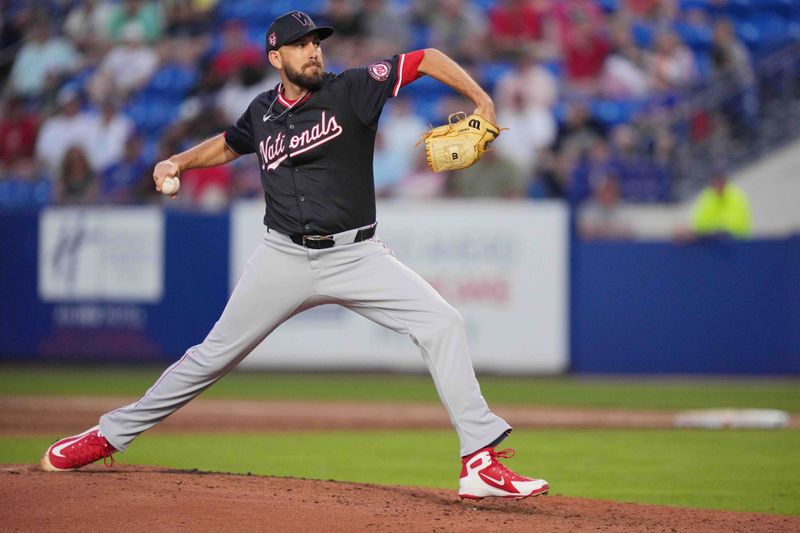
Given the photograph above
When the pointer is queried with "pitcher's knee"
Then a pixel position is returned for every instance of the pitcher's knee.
(445, 321)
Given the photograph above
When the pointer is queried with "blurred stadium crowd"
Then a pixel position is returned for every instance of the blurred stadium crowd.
(633, 98)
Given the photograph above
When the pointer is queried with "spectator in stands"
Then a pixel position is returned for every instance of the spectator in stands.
(493, 176)
(125, 69)
(346, 17)
(143, 192)
(640, 179)
(590, 168)
(671, 65)
(643, 9)
(569, 14)
(119, 180)
(732, 70)
(145, 15)
(13, 17)
(88, 25)
(579, 129)
(42, 61)
(421, 183)
(530, 130)
(389, 167)
(387, 27)
(23, 186)
(401, 129)
(516, 25)
(18, 129)
(108, 132)
(554, 174)
(76, 181)
(601, 218)
(585, 53)
(245, 178)
(207, 188)
(722, 209)
(248, 83)
(347, 47)
(625, 69)
(530, 80)
(730, 59)
(236, 52)
(457, 27)
(188, 18)
(63, 130)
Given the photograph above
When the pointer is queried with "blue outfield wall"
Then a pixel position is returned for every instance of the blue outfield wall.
(713, 306)
(195, 274)
(710, 307)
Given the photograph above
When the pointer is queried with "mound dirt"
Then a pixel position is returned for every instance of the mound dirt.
(130, 498)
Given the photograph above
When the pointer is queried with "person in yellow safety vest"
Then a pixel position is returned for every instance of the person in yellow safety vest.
(721, 209)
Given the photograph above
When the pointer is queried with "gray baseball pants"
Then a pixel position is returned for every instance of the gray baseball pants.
(282, 279)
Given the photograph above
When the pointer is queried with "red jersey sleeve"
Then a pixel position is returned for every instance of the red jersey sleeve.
(408, 65)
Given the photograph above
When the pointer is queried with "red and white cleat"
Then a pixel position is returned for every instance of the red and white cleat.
(482, 475)
(77, 451)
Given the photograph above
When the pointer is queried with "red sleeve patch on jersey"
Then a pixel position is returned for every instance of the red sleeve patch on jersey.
(407, 67)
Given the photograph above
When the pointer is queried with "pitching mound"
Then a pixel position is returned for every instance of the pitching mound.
(130, 498)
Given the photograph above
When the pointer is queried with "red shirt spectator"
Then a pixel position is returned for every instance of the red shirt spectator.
(516, 20)
(643, 8)
(18, 131)
(569, 14)
(585, 53)
(208, 188)
(236, 52)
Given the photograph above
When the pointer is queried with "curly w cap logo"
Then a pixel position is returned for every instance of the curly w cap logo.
(302, 18)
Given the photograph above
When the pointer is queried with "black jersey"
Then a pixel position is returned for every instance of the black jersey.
(316, 155)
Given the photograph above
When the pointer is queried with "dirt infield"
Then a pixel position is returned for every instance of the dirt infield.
(128, 498)
(135, 498)
(58, 415)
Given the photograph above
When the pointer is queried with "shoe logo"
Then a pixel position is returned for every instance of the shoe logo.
(502, 483)
(57, 449)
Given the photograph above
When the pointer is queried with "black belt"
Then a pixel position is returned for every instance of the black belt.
(320, 242)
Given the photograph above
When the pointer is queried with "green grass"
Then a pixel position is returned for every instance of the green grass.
(634, 393)
(736, 470)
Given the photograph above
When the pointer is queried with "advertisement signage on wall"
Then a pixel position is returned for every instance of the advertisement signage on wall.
(113, 254)
(503, 265)
(100, 272)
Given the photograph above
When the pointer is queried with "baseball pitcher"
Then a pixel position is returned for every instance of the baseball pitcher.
(314, 136)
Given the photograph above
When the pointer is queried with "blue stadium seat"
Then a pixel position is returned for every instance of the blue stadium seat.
(419, 37)
(609, 6)
(613, 112)
(171, 82)
(766, 32)
(152, 114)
(703, 62)
(740, 9)
(698, 38)
(492, 72)
(642, 35)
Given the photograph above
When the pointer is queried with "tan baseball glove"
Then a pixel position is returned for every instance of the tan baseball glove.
(459, 143)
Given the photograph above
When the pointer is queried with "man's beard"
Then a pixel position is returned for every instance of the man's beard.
(310, 81)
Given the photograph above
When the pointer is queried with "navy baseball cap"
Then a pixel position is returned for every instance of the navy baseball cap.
(293, 26)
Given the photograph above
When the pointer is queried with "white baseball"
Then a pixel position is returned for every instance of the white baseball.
(170, 186)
